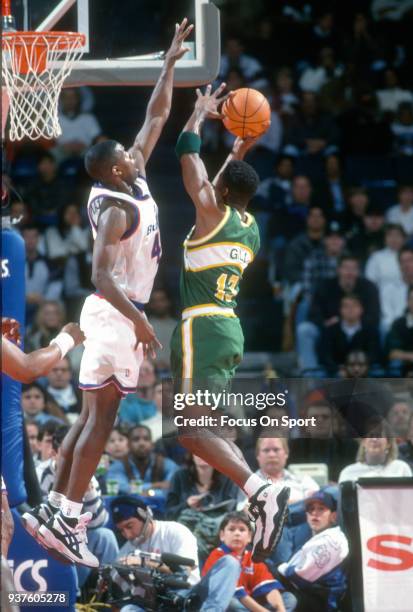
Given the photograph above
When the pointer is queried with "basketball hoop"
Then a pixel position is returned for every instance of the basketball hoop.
(34, 67)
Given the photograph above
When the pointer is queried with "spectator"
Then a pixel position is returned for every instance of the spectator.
(325, 305)
(357, 204)
(399, 418)
(272, 457)
(402, 213)
(117, 446)
(311, 131)
(406, 448)
(348, 334)
(20, 212)
(101, 540)
(361, 48)
(162, 393)
(136, 407)
(291, 220)
(376, 458)
(285, 99)
(316, 571)
(333, 189)
(402, 129)
(38, 282)
(67, 237)
(234, 57)
(392, 94)
(61, 388)
(135, 523)
(50, 319)
(303, 246)
(369, 236)
(356, 365)
(322, 34)
(161, 317)
(400, 339)
(49, 192)
(275, 192)
(142, 464)
(256, 586)
(383, 269)
(38, 407)
(198, 486)
(79, 130)
(314, 77)
(32, 431)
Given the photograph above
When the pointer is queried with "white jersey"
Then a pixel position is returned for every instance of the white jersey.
(140, 247)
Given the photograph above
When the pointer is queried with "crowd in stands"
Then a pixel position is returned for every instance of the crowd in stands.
(335, 272)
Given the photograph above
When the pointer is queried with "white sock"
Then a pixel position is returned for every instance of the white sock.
(253, 483)
(71, 509)
(56, 499)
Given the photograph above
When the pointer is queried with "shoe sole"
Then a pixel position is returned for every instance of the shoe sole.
(53, 543)
(260, 554)
(31, 530)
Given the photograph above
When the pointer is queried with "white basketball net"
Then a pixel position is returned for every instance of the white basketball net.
(34, 67)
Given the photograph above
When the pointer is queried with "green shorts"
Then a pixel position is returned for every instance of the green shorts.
(205, 351)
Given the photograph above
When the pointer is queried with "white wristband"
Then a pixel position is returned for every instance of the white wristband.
(64, 341)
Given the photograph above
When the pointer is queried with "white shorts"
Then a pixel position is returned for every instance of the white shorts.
(109, 356)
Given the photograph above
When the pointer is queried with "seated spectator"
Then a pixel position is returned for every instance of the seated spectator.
(67, 237)
(383, 269)
(272, 457)
(304, 246)
(291, 220)
(317, 583)
(325, 307)
(136, 524)
(332, 190)
(142, 465)
(285, 98)
(357, 205)
(256, 586)
(45, 442)
(136, 407)
(402, 213)
(49, 192)
(20, 212)
(326, 69)
(38, 406)
(79, 130)
(399, 341)
(402, 129)
(117, 446)
(32, 431)
(234, 57)
(197, 486)
(101, 540)
(392, 94)
(406, 448)
(38, 279)
(348, 334)
(376, 458)
(160, 314)
(369, 237)
(311, 131)
(49, 320)
(275, 192)
(398, 418)
(62, 389)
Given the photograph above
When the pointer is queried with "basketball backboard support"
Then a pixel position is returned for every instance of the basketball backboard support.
(118, 53)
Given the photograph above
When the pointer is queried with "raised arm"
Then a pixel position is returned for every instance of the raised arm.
(159, 105)
(240, 148)
(113, 223)
(26, 368)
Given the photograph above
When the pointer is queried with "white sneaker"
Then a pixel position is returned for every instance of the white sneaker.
(37, 516)
(269, 510)
(68, 537)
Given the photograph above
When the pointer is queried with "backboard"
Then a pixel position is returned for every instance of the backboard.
(125, 39)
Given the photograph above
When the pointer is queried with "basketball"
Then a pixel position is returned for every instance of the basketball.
(247, 113)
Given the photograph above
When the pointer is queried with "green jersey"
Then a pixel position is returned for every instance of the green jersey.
(213, 265)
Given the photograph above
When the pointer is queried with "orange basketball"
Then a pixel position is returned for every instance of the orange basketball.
(247, 113)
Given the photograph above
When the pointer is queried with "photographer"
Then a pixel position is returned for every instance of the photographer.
(134, 521)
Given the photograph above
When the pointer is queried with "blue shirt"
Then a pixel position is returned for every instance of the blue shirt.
(117, 472)
(134, 409)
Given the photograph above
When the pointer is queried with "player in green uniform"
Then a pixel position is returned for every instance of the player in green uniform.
(208, 343)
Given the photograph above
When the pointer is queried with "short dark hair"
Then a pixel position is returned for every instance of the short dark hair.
(100, 157)
(59, 435)
(235, 517)
(405, 249)
(48, 428)
(351, 296)
(141, 426)
(347, 257)
(391, 227)
(241, 179)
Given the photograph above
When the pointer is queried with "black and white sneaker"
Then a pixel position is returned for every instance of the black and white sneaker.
(269, 510)
(68, 537)
(37, 516)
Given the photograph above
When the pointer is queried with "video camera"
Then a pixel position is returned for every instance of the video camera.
(150, 587)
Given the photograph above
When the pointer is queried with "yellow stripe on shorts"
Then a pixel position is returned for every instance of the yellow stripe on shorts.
(188, 356)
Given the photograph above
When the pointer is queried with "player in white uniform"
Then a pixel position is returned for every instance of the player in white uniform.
(126, 253)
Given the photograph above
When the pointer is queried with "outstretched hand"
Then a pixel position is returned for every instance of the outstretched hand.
(208, 102)
(176, 50)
